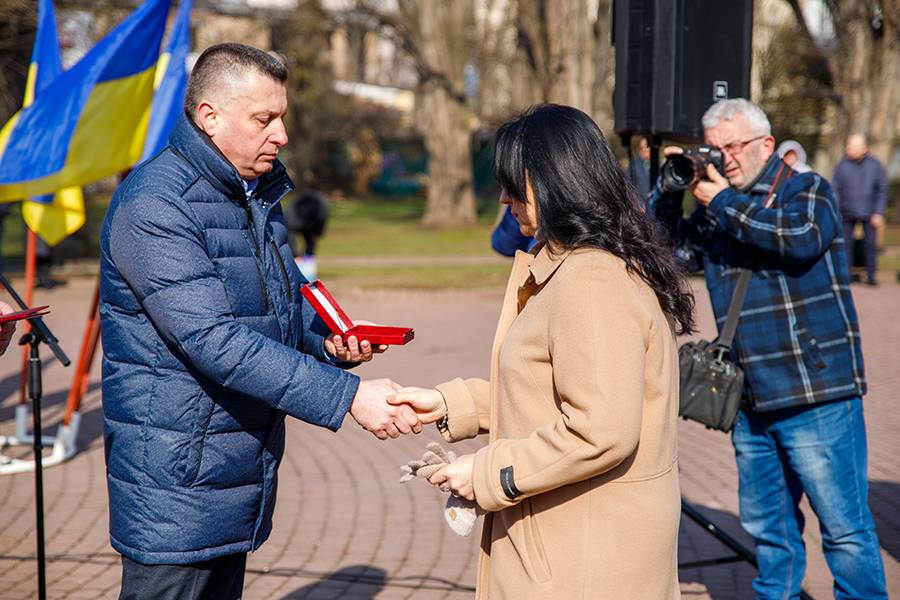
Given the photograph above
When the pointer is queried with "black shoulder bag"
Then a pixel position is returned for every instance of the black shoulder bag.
(711, 383)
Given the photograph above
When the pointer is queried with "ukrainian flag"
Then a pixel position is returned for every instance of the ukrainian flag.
(56, 216)
(170, 84)
(90, 122)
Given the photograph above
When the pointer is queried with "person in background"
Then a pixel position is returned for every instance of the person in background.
(507, 237)
(639, 169)
(800, 430)
(861, 188)
(43, 262)
(307, 218)
(793, 155)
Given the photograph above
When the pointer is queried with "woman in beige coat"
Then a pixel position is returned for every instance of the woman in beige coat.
(580, 476)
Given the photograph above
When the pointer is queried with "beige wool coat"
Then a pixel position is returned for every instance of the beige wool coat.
(581, 410)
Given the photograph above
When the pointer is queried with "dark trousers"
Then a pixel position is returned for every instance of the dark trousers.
(871, 251)
(217, 579)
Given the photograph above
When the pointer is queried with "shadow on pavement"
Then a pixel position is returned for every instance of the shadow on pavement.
(884, 499)
(363, 581)
(356, 581)
(728, 581)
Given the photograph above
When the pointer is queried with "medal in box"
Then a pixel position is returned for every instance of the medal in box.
(340, 324)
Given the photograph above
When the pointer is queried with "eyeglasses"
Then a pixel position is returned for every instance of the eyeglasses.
(735, 148)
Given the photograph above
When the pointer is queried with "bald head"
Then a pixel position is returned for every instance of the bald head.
(224, 70)
(856, 146)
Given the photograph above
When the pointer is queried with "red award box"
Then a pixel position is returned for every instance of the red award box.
(340, 324)
(31, 313)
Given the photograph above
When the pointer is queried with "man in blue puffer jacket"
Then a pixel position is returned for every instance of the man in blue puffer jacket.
(207, 342)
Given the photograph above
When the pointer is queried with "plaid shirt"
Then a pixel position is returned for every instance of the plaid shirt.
(798, 336)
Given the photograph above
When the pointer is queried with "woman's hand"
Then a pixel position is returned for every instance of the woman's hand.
(428, 403)
(457, 477)
(7, 329)
(352, 350)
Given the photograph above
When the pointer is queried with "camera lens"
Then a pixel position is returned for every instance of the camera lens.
(677, 172)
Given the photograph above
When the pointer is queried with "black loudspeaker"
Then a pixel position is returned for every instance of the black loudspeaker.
(675, 58)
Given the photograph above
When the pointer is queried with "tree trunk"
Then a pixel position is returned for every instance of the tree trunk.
(440, 35)
(445, 124)
(557, 41)
(604, 68)
(866, 72)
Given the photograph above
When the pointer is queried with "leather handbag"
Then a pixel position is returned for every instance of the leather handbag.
(711, 383)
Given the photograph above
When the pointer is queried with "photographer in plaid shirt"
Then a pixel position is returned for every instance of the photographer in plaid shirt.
(800, 429)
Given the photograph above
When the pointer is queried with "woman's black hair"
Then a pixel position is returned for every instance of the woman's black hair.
(584, 200)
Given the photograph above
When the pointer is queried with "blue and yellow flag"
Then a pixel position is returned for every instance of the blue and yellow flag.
(54, 216)
(90, 122)
(171, 83)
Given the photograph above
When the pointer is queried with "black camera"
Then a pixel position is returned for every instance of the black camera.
(681, 170)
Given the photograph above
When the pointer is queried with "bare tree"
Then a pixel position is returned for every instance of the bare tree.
(438, 37)
(18, 20)
(520, 52)
(864, 70)
(566, 46)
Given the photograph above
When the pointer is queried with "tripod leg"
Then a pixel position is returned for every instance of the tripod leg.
(742, 551)
(35, 391)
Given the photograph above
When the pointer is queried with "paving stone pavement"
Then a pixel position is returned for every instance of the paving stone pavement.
(344, 526)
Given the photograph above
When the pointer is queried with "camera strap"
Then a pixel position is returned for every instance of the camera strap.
(740, 290)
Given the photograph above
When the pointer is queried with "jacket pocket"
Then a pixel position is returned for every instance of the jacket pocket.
(812, 354)
(198, 436)
(525, 537)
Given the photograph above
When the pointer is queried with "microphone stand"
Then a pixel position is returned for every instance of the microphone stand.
(39, 333)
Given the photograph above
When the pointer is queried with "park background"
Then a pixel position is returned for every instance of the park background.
(393, 105)
(393, 109)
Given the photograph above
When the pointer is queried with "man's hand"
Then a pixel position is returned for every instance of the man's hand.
(705, 191)
(428, 403)
(876, 221)
(352, 350)
(457, 477)
(374, 414)
(7, 329)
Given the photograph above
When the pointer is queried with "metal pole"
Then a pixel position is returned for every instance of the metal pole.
(35, 391)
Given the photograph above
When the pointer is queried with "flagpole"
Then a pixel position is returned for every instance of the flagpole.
(30, 269)
(85, 359)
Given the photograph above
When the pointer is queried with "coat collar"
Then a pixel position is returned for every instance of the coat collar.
(188, 140)
(546, 262)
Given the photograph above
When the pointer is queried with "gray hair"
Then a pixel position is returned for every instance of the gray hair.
(728, 109)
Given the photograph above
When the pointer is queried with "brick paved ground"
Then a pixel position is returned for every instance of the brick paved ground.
(344, 527)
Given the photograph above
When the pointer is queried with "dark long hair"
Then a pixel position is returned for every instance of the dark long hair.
(584, 200)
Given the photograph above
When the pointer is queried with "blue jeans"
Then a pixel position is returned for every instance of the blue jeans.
(819, 450)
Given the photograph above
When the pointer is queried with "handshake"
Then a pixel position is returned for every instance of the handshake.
(388, 410)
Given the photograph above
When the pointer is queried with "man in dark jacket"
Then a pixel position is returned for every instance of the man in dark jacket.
(861, 188)
(800, 429)
(207, 342)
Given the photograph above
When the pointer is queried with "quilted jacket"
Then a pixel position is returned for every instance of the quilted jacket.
(207, 345)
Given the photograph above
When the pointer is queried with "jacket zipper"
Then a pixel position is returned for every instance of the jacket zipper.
(256, 255)
(284, 273)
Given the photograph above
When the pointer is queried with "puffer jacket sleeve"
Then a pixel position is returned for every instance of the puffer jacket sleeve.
(159, 249)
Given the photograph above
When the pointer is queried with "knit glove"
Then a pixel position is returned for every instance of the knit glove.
(459, 513)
